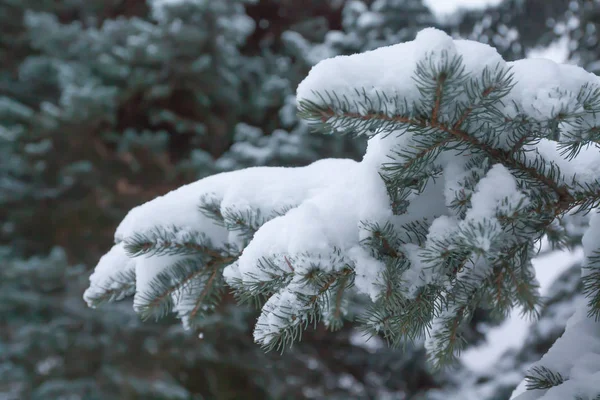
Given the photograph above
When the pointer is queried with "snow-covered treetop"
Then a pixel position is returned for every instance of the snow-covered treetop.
(471, 161)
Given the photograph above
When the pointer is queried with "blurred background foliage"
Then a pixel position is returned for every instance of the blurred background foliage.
(105, 104)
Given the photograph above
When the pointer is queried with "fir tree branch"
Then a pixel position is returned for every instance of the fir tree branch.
(339, 296)
(168, 241)
(518, 145)
(591, 289)
(332, 305)
(158, 301)
(426, 152)
(208, 286)
(210, 207)
(289, 264)
(591, 285)
(565, 199)
(117, 288)
(332, 280)
(540, 378)
(439, 91)
(507, 158)
(469, 110)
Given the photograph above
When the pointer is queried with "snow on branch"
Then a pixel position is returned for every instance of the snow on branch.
(471, 161)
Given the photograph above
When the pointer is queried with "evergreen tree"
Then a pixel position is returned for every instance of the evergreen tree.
(580, 24)
(107, 104)
(513, 26)
(471, 161)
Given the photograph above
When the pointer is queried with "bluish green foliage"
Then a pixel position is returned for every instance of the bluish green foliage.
(471, 162)
(107, 104)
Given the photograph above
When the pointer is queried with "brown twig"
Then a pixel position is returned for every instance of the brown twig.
(439, 92)
(518, 144)
(188, 278)
(205, 291)
(289, 264)
(503, 156)
(468, 111)
(147, 246)
(328, 284)
(426, 151)
(338, 299)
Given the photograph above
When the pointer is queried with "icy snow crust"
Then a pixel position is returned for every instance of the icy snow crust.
(324, 205)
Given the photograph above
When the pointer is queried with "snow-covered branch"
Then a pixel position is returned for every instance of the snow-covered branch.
(471, 161)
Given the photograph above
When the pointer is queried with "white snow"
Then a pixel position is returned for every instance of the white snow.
(110, 265)
(445, 7)
(367, 271)
(491, 192)
(390, 69)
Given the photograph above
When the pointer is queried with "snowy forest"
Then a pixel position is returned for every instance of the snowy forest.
(434, 234)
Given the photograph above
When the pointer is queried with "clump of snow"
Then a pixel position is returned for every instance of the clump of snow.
(391, 69)
(497, 186)
(112, 264)
(283, 309)
(368, 272)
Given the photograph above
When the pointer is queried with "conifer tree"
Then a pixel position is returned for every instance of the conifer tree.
(80, 146)
(471, 161)
(513, 27)
(579, 25)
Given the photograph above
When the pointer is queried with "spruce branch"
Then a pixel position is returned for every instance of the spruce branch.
(332, 306)
(540, 378)
(292, 332)
(467, 112)
(448, 342)
(167, 288)
(116, 288)
(499, 155)
(409, 320)
(500, 287)
(591, 285)
(273, 279)
(586, 196)
(210, 207)
(168, 241)
(382, 240)
(335, 279)
(510, 282)
(447, 143)
(344, 283)
(206, 290)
